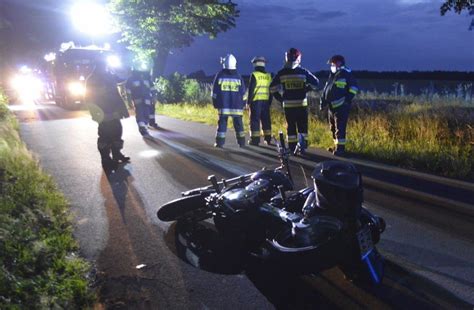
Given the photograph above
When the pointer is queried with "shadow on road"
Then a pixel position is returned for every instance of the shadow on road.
(133, 271)
(202, 247)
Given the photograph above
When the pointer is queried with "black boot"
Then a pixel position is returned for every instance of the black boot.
(118, 157)
(340, 150)
(292, 146)
(268, 140)
(219, 142)
(241, 141)
(143, 131)
(108, 164)
(254, 141)
(154, 125)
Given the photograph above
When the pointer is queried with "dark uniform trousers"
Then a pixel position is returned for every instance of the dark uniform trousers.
(338, 123)
(260, 113)
(142, 111)
(110, 138)
(297, 122)
(222, 129)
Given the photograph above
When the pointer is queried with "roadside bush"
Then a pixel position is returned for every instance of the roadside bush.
(172, 89)
(39, 267)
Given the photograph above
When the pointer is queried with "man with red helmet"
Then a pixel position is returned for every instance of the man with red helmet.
(290, 86)
(338, 93)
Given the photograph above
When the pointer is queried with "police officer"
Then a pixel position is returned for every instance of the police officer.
(139, 89)
(259, 100)
(338, 93)
(290, 86)
(107, 108)
(228, 93)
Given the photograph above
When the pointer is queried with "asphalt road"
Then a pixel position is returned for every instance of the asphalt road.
(428, 266)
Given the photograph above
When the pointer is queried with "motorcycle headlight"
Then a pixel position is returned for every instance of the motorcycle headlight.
(77, 88)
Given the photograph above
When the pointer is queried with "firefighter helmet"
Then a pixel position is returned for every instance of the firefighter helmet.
(293, 55)
(229, 62)
(337, 59)
(259, 61)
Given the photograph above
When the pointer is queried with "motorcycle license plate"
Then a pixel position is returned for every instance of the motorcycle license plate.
(366, 244)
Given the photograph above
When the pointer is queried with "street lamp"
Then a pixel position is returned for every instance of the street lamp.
(91, 18)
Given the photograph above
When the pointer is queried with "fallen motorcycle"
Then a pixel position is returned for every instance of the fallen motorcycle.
(306, 231)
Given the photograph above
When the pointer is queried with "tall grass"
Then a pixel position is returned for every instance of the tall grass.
(39, 267)
(431, 136)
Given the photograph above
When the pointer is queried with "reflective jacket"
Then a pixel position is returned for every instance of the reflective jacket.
(259, 86)
(103, 97)
(340, 88)
(294, 84)
(228, 92)
(139, 89)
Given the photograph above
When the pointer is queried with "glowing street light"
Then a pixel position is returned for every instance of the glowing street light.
(92, 18)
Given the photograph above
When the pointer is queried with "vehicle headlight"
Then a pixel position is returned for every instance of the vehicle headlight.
(77, 88)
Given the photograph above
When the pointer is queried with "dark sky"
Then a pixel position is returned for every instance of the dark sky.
(372, 34)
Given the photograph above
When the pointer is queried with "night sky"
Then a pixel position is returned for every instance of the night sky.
(372, 34)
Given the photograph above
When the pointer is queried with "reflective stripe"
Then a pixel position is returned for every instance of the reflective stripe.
(240, 134)
(295, 103)
(338, 103)
(354, 90)
(231, 112)
(292, 139)
(341, 141)
(255, 133)
(152, 116)
(292, 77)
(141, 124)
(229, 84)
(340, 83)
(275, 88)
(267, 132)
(220, 134)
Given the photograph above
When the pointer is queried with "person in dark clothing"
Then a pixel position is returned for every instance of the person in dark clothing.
(290, 86)
(107, 108)
(228, 93)
(338, 93)
(139, 89)
(259, 100)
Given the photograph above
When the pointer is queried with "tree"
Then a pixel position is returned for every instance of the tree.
(459, 6)
(154, 27)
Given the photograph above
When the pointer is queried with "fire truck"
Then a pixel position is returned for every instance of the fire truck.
(68, 70)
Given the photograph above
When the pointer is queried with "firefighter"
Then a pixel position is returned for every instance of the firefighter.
(338, 93)
(290, 86)
(107, 108)
(259, 100)
(139, 91)
(228, 93)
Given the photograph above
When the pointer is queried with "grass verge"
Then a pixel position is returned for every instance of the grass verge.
(431, 137)
(38, 260)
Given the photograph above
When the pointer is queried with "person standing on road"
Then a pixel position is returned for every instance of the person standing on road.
(139, 90)
(290, 86)
(338, 93)
(259, 100)
(228, 92)
(107, 108)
